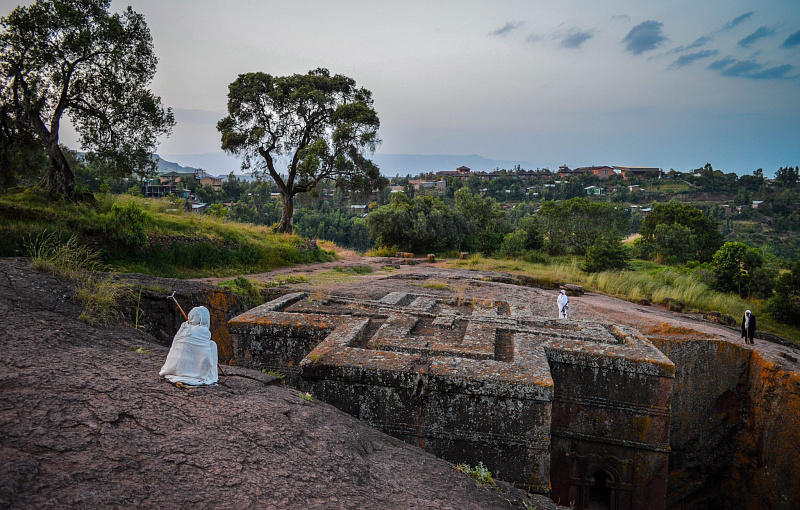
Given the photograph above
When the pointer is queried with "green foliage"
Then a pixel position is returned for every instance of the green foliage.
(705, 228)
(250, 291)
(606, 254)
(734, 265)
(322, 124)
(421, 224)
(514, 244)
(62, 56)
(572, 226)
(484, 222)
(127, 224)
(479, 473)
(674, 243)
(784, 306)
(48, 252)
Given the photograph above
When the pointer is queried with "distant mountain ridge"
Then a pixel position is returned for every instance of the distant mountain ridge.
(390, 164)
(412, 164)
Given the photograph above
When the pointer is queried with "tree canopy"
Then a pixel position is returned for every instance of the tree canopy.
(73, 57)
(708, 238)
(320, 126)
(575, 224)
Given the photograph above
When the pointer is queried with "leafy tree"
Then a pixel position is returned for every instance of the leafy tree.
(788, 177)
(20, 154)
(322, 125)
(733, 265)
(705, 228)
(606, 254)
(674, 243)
(576, 224)
(73, 57)
(484, 221)
(421, 224)
(785, 304)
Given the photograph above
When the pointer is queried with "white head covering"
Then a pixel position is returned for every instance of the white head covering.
(747, 315)
(192, 358)
(199, 316)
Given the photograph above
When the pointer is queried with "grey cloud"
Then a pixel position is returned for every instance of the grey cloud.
(792, 41)
(645, 36)
(760, 33)
(738, 19)
(700, 41)
(721, 63)
(774, 73)
(508, 28)
(621, 17)
(575, 38)
(685, 60)
(533, 38)
(741, 68)
(751, 69)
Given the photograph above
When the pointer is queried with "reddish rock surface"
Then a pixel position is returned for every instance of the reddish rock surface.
(86, 422)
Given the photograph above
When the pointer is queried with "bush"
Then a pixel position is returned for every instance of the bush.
(785, 305)
(514, 244)
(606, 254)
(127, 224)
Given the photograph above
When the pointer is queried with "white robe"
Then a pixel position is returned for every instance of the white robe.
(562, 306)
(192, 359)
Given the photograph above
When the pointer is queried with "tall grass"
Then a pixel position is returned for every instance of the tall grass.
(100, 296)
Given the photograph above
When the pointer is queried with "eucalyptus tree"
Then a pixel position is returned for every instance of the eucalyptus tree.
(75, 58)
(302, 129)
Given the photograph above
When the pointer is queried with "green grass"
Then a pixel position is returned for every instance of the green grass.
(179, 244)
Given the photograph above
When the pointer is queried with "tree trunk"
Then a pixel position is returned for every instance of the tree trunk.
(60, 179)
(286, 226)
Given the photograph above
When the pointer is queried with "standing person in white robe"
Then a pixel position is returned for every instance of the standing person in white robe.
(563, 305)
(192, 359)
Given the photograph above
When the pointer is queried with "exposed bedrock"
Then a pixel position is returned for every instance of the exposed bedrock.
(735, 431)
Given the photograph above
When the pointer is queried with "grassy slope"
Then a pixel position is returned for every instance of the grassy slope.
(179, 244)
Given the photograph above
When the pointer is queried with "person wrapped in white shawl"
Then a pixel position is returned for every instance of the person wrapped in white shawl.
(563, 305)
(192, 358)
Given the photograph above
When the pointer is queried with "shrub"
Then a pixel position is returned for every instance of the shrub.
(606, 254)
(127, 224)
(785, 305)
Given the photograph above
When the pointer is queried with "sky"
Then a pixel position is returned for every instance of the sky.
(578, 82)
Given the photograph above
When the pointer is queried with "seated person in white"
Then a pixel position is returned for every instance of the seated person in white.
(192, 359)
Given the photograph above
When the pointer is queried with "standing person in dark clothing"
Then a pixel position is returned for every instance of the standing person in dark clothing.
(748, 327)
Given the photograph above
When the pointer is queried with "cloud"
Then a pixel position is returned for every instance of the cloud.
(621, 17)
(738, 19)
(774, 73)
(533, 38)
(742, 68)
(700, 41)
(760, 33)
(575, 38)
(721, 63)
(645, 36)
(752, 70)
(508, 28)
(792, 41)
(685, 60)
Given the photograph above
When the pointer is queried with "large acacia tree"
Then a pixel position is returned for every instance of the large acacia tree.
(302, 129)
(74, 57)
